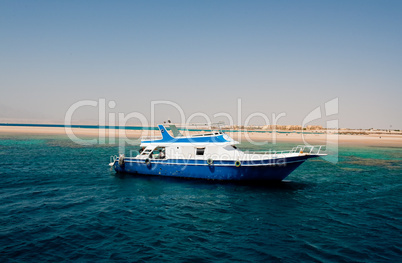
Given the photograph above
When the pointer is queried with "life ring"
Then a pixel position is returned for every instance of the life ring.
(147, 161)
(121, 159)
(210, 161)
(237, 163)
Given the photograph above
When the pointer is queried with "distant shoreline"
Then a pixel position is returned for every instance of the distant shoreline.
(382, 140)
(246, 129)
(76, 126)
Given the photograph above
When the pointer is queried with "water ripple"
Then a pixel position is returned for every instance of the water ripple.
(60, 203)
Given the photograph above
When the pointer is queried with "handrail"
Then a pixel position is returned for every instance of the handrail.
(272, 152)
(207, 134)
(301, 149)
(112, 159)
(202, 126)
(312, 149)
(151, 138)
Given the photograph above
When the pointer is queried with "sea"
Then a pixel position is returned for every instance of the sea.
(60, 202)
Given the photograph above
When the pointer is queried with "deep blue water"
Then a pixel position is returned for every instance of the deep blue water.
(60, 202)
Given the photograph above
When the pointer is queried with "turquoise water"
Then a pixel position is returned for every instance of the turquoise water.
(60, 202)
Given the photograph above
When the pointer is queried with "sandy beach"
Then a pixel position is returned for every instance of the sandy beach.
(382, 140)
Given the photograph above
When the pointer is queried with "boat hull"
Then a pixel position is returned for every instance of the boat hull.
(265, 170)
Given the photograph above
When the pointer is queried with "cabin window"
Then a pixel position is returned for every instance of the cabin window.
(230, 148)
(200, 151)
(159, 153)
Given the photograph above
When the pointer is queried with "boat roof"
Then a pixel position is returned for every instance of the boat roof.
(205, 139)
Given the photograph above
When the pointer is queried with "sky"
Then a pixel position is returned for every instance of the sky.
(286, 57)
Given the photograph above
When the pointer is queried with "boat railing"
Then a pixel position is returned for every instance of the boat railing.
(207, 134)
(300, 149)
(309, 149)
(112, 159)
(200, 126)
(151, 138)
(271, 152)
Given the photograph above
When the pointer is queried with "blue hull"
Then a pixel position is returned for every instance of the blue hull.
(219, 170)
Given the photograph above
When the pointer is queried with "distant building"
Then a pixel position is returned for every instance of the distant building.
(291, 127)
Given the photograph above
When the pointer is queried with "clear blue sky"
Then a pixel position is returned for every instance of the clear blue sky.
(277, 56)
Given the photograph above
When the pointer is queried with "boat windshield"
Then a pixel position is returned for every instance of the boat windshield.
(155, 153)
(146, 152)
